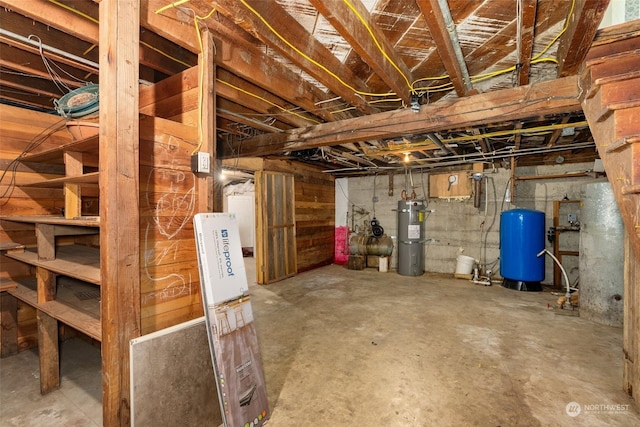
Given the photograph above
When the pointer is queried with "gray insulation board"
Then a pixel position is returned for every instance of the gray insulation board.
(172, 379)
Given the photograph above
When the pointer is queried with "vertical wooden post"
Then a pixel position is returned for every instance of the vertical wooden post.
(46, 285)
(207, 191)
(46, 241)
(48, 352)
(48, 348)
(72, 192)
(119, 201)
(9, 326)
(631, 326)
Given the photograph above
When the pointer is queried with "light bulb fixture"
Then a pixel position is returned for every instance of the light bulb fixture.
(221, 175)
(406, 158)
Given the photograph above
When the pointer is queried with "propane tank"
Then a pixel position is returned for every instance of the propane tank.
(360, 244)
(371, 241)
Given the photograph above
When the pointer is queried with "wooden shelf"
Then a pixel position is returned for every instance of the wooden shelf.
(87, 178)
(77, 261)
(9, 246)
(87, 145)
(7, 285)
(84, 221)
(77, 304)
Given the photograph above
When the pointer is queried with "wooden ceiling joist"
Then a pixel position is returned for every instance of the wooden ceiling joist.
(525, 41)
(251, 96)
(78, 27)
(301, 48)
(352, 20)
(580, 31)
(239, 53)
(24, 62)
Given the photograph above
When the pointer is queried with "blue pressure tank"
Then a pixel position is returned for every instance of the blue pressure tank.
(521, 239)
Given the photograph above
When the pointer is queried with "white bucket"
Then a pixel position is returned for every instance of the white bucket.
(383, 264)
(465, 264)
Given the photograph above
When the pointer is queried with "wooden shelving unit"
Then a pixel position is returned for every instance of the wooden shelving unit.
(87, 178)
(82, 314)
(56, 155)
(66, 285)
(77, 261)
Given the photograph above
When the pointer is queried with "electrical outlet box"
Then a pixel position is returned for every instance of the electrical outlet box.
(201, 162)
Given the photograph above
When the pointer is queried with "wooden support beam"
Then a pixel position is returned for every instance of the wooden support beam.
(46, 284)
(209, 194)
(46, 239)
(580, 32)
(9, 327)
(484, 145)
(72, 194)
(48, 352)
(353, 21)
(556, 134)
(119, 201)
(551, 97)
(631, 324)
(528, 26)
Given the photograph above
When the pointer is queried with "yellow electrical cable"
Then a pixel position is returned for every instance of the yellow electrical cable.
(200, 78)
(342, 110)
(534, 130)
(89, 49)
(377, 101)
(566, 25)
(375, 40)
(76, 11)
(155, 49)
(307, 57)
(479, 77)
(171, 5)
(534, 60)
(200, 90)
(95, 21)
(246, 92)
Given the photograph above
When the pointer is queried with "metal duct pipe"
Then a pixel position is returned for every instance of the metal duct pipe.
(49, 48)
(453, 34)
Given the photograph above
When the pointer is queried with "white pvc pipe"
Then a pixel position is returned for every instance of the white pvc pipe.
(49, 48)
(564, 273)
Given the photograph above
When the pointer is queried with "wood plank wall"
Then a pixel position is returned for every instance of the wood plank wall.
(314, 212)
(170, 283)
(169, 197)
(19, 129)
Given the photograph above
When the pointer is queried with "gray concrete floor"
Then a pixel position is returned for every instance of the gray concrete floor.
(345, 347)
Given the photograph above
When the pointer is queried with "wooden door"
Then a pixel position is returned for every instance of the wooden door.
(276, 227)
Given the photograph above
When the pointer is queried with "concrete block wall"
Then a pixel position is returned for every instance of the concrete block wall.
(456, 226)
